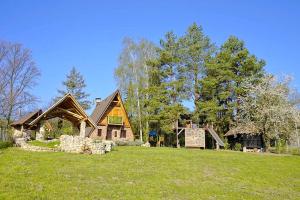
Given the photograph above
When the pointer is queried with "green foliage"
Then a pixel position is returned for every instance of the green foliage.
(75, 85)
(237, 146)
(115, 120)
(60, 127)
(226, 144)
(5, 144)
(280, 146)
(221, 86)
(132, 76)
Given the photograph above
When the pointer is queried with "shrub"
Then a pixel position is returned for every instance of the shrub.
(129, 143)
(237, 147)
(226, 144)
(295, 151)
(280, 146)
(5, 144)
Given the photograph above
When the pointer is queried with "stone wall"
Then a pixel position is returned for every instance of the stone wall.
(71, 144)
(77, 144)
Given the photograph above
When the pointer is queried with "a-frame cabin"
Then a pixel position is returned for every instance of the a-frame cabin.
(111, 119)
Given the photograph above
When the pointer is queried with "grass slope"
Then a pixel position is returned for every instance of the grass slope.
(148, 173)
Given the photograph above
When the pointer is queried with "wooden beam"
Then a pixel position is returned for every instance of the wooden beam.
(180, 131)
(71, 113)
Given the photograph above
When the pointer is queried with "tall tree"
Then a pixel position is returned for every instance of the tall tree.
(195, 49)
(18, 75)
(268, 107)
(221, 87)
(132, 75)
(75, 85)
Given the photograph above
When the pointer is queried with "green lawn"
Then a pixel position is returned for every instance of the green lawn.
(148, 173)
(44, 144)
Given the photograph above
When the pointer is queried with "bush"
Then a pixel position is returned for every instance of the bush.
(5, 144)
(226, 144)
(280, 146)
(237, 147)
(295, 151)
(128, 143)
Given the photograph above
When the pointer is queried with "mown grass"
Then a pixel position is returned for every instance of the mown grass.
(44, 144)
(148, 173)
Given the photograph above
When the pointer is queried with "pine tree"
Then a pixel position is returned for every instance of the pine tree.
(75, 85)
(195, 49)
(166, 85)
(221, 87)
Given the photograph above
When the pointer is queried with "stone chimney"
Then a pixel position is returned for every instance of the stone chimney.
(97, 100)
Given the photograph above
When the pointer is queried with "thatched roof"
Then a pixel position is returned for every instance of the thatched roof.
(243, 129)
(27, 118)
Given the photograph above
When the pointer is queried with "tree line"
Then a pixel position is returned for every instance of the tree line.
(222, 82)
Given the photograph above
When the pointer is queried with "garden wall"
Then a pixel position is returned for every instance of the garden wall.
(77, 144)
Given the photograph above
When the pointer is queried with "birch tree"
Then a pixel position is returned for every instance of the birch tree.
(132, 76)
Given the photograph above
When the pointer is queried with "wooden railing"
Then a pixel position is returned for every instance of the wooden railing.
(115, 120)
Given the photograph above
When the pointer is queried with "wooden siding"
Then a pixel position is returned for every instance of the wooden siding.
(116, 108)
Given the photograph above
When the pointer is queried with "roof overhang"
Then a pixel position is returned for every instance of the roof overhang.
(65, 108)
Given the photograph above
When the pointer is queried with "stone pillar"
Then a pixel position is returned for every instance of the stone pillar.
(82, 128)
(40, 135)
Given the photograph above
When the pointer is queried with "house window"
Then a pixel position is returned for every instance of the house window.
(116, 134)
(99, 132)
(123, 134)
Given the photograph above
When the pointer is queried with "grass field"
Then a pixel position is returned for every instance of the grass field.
(44, 144)
(148, 173)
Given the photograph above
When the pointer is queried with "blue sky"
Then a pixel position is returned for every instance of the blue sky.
(88, 34)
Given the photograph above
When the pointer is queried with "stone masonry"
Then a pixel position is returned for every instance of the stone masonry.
(77, 144)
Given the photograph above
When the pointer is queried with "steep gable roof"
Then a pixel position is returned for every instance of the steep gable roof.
(67, 101)
(102, 106)
(100, 110)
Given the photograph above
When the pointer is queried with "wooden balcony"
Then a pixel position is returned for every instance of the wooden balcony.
(115, 120)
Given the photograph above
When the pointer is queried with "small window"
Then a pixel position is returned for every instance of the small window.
(99, 132)
(123, 134)
(116, 134)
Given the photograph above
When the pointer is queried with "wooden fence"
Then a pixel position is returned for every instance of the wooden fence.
(4, 135)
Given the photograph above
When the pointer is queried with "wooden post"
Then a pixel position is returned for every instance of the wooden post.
(22, 130)
(177, 141)
(217, 146)
(82, 128)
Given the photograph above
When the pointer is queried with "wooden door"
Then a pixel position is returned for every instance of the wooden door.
(109, 134)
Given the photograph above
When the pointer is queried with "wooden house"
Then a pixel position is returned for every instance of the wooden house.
(111, 119)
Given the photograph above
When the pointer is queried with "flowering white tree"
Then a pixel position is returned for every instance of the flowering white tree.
(268, 106)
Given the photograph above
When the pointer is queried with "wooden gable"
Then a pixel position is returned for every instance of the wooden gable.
(115, 109)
